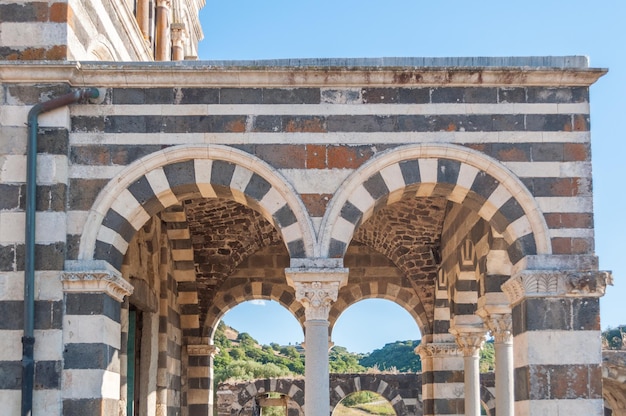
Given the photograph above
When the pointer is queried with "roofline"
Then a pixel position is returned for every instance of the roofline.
(375, 72)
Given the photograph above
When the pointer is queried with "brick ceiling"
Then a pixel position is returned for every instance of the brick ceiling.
(225, 233)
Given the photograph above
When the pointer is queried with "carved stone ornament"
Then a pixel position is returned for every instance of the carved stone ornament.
(438, 350)
(96, 282)
(203, 350)
(500, 325)
(470, 342)
(317, 298)
(178, 33)
(563, 283)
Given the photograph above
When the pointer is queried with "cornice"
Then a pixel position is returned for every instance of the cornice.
(210, 74)
(100, 281)
(556, 283)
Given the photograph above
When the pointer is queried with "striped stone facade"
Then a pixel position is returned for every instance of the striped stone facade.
(195, 186)
(99, 30)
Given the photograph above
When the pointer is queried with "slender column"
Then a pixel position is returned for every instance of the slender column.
(142, 14)
(163, 30)
(500, 326)
(442, 378)
(200, 378)
(178, 41)
(316, 288)
(556, 330)
(470, 342)
(92, 340)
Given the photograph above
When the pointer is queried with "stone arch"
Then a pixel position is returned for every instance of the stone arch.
(459, 174)
(292, 388)
(162, 179)
(402, 297)
(248, 292)
(367, 382)
(487, 400)
(101, 49)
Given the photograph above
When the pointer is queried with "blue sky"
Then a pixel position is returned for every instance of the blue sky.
(255, 29)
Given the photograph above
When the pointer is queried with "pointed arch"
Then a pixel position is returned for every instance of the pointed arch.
(162, 179)
(459, 174)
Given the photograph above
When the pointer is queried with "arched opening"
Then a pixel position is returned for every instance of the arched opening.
(258, 339)
(271, 404)
(369, 324)
(363, 403)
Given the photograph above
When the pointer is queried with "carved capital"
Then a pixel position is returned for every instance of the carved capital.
(101, 281)
(178, 33)
(317, 298)
(203, 350)
(438, 350)
(551, 283)
(470, 342)
(316, 288)
(164, 3)
(500, 325)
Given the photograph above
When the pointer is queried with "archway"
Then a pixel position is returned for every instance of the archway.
(363, 401)
(453, 172)
(163, 179)
(390, 321)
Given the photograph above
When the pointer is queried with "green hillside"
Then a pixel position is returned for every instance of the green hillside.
(241, 357)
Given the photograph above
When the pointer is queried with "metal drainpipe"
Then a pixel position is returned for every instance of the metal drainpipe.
(28, 340)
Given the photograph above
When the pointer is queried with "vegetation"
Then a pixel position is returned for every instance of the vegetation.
(487, 358)
(397, 356)
(242, 358)
(614, 338)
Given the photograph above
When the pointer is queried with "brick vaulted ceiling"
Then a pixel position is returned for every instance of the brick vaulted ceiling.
(408, 232)
(225, 233)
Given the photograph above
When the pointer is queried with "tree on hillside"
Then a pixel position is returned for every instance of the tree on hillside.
(399, 355)
(342, 361)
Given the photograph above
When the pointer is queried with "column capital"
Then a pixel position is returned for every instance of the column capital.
(96, 281)
(317, 297)
(438, 350)
(164, 3)
(469, 340)
(178, 32)
(556, 283)
(501, 326)
(316, 288)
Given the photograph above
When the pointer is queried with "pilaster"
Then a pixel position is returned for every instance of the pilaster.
(442, 378)
(553, 310)
(200, 377)
(92, 339)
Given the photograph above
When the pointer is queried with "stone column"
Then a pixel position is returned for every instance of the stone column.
(316, 288)
(142, 14)
(471, 340)
(442, 378)
(92, 339)
(178, 36)
(556, 330)
(200, 377)
(499, 325)
(162, 52)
